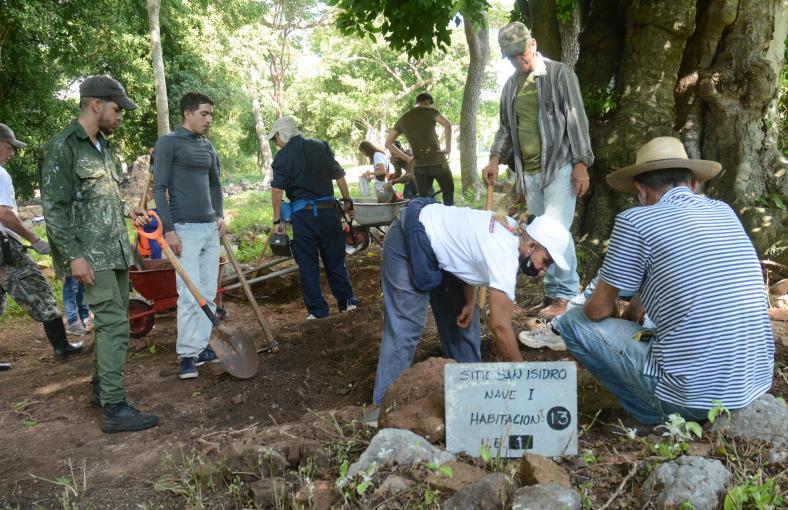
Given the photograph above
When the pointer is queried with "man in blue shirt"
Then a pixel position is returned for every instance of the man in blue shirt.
(698, 278)
(304, 168)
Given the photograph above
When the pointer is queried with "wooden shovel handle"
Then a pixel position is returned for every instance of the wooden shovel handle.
(176, 263)
(487, 207)
(248, 291)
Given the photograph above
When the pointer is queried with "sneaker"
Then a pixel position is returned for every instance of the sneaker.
(206, 356)
(124, 417)
(76, 328)
(188, 368)
(544, 337)
(88, 323)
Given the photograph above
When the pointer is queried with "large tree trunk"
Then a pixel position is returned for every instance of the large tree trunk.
(737, 90)
(656, 35)
(264, 155)
(479, 51)
(545, 27)
(162, 109)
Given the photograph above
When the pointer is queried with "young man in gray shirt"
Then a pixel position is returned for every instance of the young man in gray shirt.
(188, 196)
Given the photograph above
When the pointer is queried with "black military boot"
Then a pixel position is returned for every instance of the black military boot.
(95, 393)
(56, 333)
(124, 417)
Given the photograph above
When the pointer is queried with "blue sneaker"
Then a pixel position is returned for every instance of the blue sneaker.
(188, 368)
(207, 356)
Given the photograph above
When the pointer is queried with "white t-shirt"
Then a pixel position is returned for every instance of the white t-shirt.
(470, 244)
(7, 198)
(380, 159)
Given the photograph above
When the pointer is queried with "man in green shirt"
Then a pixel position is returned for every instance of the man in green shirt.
(429, 160)
(89, 241)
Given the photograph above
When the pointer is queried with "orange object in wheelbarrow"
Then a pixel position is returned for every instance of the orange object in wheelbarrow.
(237, 353)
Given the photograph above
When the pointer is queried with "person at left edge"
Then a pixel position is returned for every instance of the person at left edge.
(86, 229)
(304, 168)
(19, 274)
(189, 200)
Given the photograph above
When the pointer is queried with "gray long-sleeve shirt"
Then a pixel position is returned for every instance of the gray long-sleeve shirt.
(562, 121)
(186, 167)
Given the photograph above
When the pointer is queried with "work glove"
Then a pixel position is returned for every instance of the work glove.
(41, 246)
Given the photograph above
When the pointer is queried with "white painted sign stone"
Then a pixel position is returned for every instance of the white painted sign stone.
(513, 408)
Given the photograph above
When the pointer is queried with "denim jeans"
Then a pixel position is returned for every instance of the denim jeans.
(425, 175)
(405, 313)
(200, 259)
(72, 300)
(557, 201)
(610, 351)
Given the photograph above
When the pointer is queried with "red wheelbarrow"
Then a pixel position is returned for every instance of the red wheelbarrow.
(156, 284)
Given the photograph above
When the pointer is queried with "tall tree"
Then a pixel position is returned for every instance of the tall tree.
(479, 50)
(162, 108)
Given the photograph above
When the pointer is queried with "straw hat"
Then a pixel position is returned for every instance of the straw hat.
(660, 153)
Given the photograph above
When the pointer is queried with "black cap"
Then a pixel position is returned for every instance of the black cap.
(106, 87)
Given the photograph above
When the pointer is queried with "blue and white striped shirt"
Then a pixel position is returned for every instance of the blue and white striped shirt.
(700, 282)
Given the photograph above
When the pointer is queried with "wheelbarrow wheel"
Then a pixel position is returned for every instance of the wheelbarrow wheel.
(140, 326)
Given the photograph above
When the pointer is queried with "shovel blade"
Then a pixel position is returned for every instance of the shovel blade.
(237, 353)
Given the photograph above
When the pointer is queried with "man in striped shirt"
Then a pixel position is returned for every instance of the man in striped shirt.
(543, 130)
(698, 278)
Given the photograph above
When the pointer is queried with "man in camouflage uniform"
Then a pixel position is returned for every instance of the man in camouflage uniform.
(85, 224)
(19, 274)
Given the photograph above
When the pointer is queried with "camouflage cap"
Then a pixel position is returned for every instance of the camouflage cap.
(512, 39)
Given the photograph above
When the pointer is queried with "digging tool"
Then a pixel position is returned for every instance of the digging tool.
(138, 260)
(273, 345)
(236, 353)
(487, 207)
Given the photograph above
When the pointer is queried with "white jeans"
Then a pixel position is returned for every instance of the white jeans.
(200, 258)
(557, 201)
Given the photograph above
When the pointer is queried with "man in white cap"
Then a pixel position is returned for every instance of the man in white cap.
(543, 135)
(19, 274)
(304, 168)
(698, 278)
(438, 254)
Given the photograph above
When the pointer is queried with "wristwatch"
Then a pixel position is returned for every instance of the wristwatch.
(278, 221)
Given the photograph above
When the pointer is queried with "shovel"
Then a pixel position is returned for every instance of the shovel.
(236, 353)
(273, 345)
(487, 207)
(138, 260)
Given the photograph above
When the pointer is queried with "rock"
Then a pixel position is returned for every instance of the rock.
(778, 457)
(695, 479)
(272, 463)
(245, 184)
(238, 399)
(269, 492)
(546, 497)
(699, 450)
(415, 401)
(253, 463)
(319, 494)
(490, 492)
(765, 419)
(394, 484)
(462, 475)
(400, 447)
(535, 470)
(780, 288)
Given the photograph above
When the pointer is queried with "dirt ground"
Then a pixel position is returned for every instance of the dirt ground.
(50, 430)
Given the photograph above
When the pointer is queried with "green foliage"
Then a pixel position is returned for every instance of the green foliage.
(564, 10)
(677, 433)
(599, 103)
(717, 409)
(417, 27)
(771, 201)
(754, 493)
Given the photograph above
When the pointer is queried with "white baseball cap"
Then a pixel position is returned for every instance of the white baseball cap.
(553, 236)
